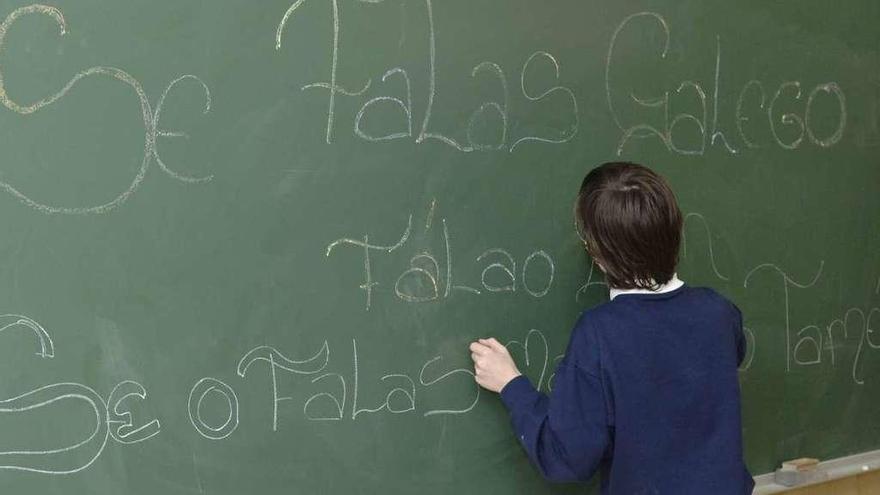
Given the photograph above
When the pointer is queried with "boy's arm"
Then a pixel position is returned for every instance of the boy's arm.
(567, 433)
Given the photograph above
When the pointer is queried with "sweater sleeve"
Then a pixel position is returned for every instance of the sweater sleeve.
(565, 434)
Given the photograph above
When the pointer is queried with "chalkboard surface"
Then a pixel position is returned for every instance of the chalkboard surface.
(245, 244)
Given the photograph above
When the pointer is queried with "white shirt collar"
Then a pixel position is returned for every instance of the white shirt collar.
(674, 283)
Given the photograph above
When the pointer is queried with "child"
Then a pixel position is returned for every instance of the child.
(647, 393)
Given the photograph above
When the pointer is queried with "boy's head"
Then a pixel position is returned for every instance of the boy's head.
(630, 222)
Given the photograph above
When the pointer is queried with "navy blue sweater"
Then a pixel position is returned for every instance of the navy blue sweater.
(647, 394)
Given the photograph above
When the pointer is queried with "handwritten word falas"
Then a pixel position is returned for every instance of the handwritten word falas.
(343, 399)
(540, 60)
(334, 396)
(151, 119)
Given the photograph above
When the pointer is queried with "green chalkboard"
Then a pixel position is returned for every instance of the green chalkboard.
(244, 245)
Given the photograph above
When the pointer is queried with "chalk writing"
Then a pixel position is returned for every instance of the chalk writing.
(406, 108)
(150, 120)
(10, 321)
(786, 118)
(339, 404)
(699, 218)
(112, 417)
(591, 283)
(534, 337)
(58, 460)
(740, 117)
(428, 383)
(508, 271)
(372, 377)
(428, 278)
(814, 341)
(834, 138)
(197, 394)
(715, 132)
(331, 86)
(368, 284)
(500, 107)
(163, 133)
(276, 359)
(565, 136)
(638, 130)
(710, 132)
(751, 349)
(424, 133)
(407, 393)
(126, 431)
(787, 284)
(551, 270)
(332, 403)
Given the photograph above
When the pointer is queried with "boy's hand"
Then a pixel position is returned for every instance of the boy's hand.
(493, 366)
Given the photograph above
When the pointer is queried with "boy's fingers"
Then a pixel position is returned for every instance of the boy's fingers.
(477, 348)
(495, 344)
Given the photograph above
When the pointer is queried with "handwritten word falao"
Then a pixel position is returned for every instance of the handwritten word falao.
(423, 280)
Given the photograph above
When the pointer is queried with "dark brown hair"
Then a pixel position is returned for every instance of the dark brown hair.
(629, 220)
